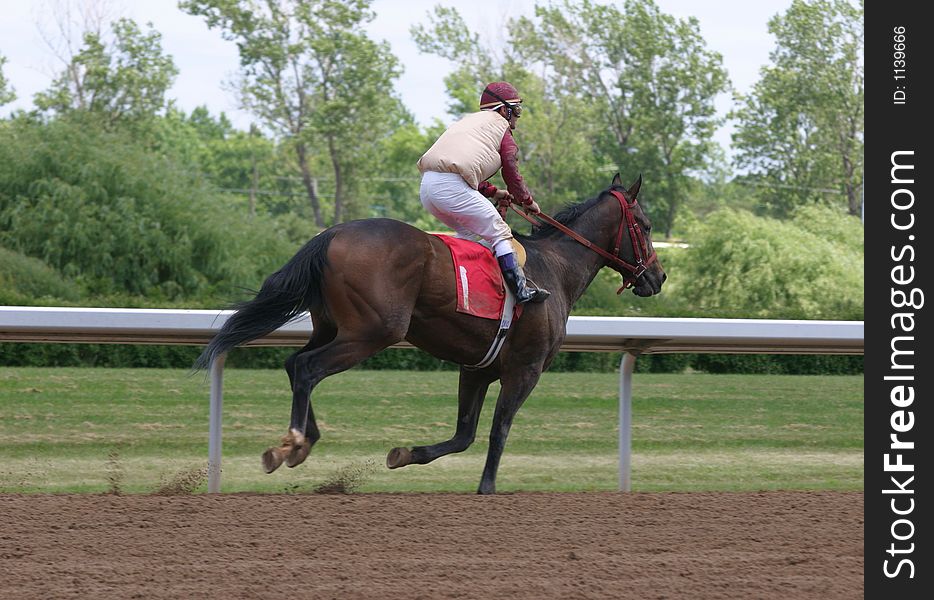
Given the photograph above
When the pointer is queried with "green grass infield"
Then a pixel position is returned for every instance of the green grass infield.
(100, 430)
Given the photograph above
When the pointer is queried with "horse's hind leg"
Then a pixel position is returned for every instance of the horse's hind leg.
(295, 448)
(307, 369)
(471, 392)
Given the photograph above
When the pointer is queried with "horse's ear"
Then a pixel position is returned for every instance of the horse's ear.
(633, 190)
(617, 181)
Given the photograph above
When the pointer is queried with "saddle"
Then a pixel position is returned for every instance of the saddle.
(478, 279)
(480, 289)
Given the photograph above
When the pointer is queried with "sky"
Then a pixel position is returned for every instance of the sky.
(737, 29)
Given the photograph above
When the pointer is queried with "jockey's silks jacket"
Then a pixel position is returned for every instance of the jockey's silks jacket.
(476, 147)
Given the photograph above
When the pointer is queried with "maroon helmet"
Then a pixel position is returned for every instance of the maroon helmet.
(497, 94)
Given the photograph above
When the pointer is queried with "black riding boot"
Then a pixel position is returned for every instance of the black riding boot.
(515, 279)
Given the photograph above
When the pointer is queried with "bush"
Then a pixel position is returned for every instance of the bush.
(97, 355)
(26, 281)
(182, 357)
(741, 265)
(117, 217)
(781, 364)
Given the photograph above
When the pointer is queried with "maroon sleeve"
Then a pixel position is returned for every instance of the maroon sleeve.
(514, 183)
(487, 189)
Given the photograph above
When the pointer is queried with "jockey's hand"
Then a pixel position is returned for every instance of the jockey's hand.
(532, 207)
(502, 195)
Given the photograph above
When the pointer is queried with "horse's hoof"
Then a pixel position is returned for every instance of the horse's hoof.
(272, 459)
(298, 454)
(398, 457)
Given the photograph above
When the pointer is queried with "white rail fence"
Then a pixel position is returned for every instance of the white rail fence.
(632, 336)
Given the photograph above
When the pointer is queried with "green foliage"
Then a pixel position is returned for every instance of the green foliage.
(631, 87)
(97, 355)
(7, 94)
(182, 357)
(255, 172)
(113, 197)
(781, 364)
(740, 265)
(601, 299)
(644, 84)
(127, 81)
(448, 36)
(557, 157)
(26, 281)
(800, 131)
(390, 189)
(310, 73)
(117, 218)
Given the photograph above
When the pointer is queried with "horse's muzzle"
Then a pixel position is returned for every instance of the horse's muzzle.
(649, 283)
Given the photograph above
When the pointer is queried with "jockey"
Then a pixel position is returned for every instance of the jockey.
(454, 181)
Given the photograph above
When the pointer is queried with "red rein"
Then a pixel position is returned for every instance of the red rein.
(640, 247)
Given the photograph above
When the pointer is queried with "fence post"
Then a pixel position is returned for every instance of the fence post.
(626, 367)
(214, 426)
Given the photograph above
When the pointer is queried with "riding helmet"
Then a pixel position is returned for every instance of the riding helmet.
(498, 93)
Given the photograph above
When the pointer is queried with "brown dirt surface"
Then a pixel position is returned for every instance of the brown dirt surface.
(524, 545)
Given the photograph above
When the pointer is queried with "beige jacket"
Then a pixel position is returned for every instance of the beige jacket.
(469, 147)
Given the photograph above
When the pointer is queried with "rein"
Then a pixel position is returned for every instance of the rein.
(640, 247)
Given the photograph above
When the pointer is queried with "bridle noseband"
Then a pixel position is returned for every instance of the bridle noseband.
(644, 258)
(640, 246)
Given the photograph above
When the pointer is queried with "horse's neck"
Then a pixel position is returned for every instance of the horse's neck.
(572, 264)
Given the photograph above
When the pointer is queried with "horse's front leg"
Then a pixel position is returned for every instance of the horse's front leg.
(471, 393)
(517, 385)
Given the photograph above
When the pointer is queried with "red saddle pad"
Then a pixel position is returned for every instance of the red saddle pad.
(478, 279)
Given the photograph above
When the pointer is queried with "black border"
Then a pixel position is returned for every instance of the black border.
(892, 127)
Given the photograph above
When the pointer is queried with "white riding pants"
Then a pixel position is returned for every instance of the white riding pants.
(465, 210)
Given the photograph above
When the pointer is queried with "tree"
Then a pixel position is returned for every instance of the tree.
(245, 163)
(448, 36)
(557, 157)
(119, 217)
(393, 190)
(127, 80)
(310, 74)
(7, 94)
(649, 80)
(631, 90)
(800, 131)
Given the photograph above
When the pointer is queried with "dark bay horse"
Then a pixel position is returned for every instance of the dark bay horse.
(369, 284)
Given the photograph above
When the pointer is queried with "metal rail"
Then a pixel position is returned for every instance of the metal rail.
(632, 336)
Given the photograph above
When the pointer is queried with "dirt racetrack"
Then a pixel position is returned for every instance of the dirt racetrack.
(591, 545)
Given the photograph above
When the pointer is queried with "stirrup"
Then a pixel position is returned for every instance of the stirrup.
(535, 294)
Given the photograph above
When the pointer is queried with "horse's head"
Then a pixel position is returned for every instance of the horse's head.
(638, 262)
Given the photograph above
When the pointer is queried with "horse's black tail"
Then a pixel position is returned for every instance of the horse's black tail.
(285, 295)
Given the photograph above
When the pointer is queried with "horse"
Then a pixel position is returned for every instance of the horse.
(371, 283)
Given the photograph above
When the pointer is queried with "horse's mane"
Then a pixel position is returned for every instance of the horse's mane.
(566, 216)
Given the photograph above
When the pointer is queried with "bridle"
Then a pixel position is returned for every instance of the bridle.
(640, 246)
